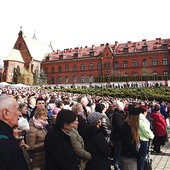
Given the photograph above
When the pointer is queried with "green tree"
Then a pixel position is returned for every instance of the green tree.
(42, 77)
(17, 75)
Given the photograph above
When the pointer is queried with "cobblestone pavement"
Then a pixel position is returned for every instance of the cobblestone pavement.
(160, 161)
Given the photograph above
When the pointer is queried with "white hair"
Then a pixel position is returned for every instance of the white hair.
(6, 102)
(119, 105)
(23, 124)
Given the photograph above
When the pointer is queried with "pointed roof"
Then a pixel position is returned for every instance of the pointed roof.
(15, 55)
(38, 50)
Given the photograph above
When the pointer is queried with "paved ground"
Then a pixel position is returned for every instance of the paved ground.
(160, 161)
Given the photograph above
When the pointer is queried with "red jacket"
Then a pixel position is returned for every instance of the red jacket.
(159, 124)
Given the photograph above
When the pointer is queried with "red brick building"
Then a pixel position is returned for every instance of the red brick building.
(27, 53)
(83, 65)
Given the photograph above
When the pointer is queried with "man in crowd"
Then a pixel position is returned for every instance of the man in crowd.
(11, 155)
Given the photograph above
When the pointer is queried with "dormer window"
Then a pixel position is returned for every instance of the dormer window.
(126, 49)
(61, 56)
(91, 52)
(145, 47)
(164, 45)
(76, 55)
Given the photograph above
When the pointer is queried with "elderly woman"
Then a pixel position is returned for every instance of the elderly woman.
(35, 138)
(96, 144)
(79, 111)
(159, 129)
(60, 154)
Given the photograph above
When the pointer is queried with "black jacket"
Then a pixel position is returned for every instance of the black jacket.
(128, 146)
(96, 144)
(117, 124)
(60, 154)
(11, 154)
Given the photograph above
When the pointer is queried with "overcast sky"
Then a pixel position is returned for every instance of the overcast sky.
(75, 23)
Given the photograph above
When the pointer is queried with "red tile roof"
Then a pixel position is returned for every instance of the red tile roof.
(117, 48)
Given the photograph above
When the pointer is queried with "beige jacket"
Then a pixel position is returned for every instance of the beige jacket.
(78, 145)
(35, 139)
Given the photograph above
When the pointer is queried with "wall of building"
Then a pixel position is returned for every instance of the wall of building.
(9, 70)
(109, 56)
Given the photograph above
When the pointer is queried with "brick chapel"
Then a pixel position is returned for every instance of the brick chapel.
(27, 53)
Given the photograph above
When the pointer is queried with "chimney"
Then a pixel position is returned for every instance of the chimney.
(93, 46)
(158, 40)
(116, 43)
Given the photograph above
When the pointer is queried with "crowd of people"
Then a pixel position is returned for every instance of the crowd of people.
(41, 129)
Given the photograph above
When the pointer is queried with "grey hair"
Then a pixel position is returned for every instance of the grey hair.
(6, 102)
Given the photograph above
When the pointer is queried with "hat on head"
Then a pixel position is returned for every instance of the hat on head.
(134, 110)
(93, 118)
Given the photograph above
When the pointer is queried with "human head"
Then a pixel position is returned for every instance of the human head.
(94, 118)
(83, 100)
(77, 108)
(60, 104)
(23, 108)
(9, 112)
(31, 101)
(41, 113)
(133, 120)
(19, 98)
(66, 120)
(119, 105)
(40, 103)
(156, 108)
(99, 107)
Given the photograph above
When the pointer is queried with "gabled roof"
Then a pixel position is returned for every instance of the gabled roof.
(15, 55)
(38, 50)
